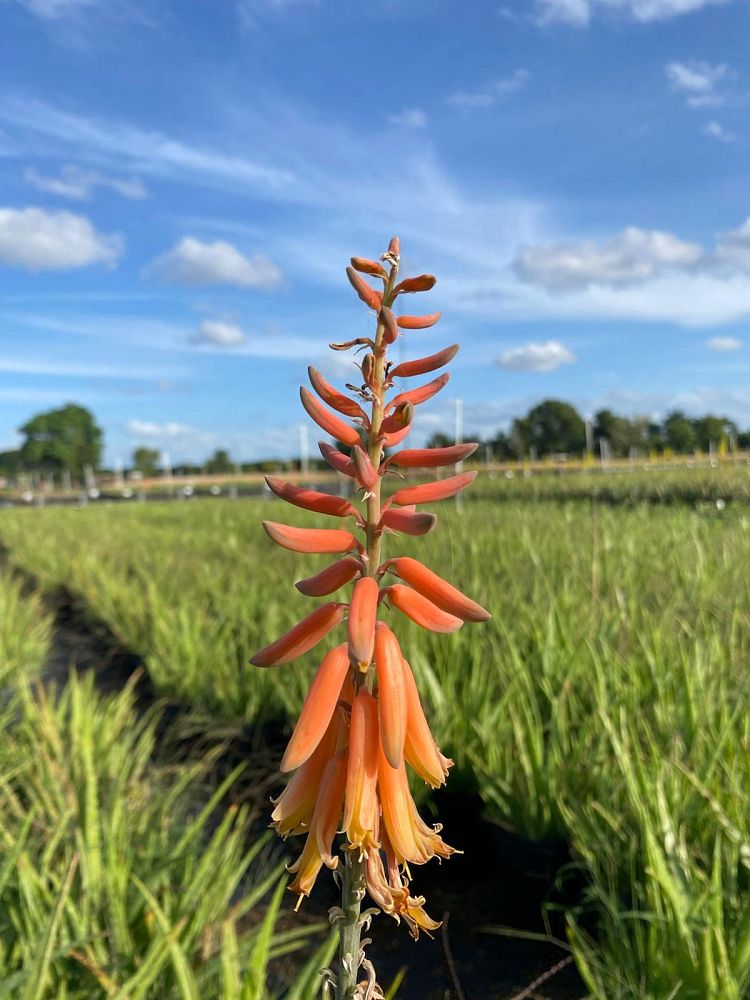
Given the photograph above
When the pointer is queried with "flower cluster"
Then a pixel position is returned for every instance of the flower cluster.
(362, 721)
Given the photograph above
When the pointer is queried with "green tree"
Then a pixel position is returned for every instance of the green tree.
(146, 460)
(439, 440)
(679, 432)
(68, 438)
(711, 429)
(10, 462)
(552, 426)
(219, 463)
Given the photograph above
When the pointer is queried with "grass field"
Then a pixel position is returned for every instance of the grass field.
(606, 703)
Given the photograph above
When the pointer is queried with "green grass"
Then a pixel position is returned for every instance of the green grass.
(607, 702)
(122, 877)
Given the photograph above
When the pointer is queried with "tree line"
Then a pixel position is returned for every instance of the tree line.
(68, 440)
(554, 427)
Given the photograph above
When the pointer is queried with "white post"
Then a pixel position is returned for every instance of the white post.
(458, 437)
(304, 450)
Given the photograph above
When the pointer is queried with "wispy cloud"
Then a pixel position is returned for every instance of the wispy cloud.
(170, 430)
(252, 13)
(488, 97)
(76, 370)
(191, 262)
(78, 185)
(723, 344)
(716, 130)
(219, 333)
(699, 82)
(409, 118)
(53, 10)
(53, 241)
(581, 12)
(544, 357)
(150, 152)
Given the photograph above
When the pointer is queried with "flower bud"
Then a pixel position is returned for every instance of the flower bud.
(368, 295)
(422, 283)
(389, 322)
(369, 267)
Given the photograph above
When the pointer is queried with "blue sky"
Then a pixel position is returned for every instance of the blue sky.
(183, 182)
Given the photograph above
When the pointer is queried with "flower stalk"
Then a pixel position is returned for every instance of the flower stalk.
(363, 722)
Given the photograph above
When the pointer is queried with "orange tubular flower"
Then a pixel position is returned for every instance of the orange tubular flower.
(330, 578)
(430, 458)
(316, 540)
(336, 399)
(362, 722)
(337, 459)
(420, 749)
(422, 393)
(395, 437)
(318, 708)
(429, 492)
(362, 809)
(362, 614)
(391, 694)
(330, 423)
(369, 267)
(302, 637)
(367, 475)
(389, 322)
(423, 366)
(368, 295)
(296, 804)
(421, 610)
(325, 819)
(408, 521)
(437, 590)
(418, 322)
(321, 503)
(422, 283)
(412, 839)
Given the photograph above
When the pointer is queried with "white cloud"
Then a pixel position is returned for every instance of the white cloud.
(717, 131)
(53, 10)
(53, 241)
(489, 96)
(85, 370)
(699, 81)
(219, 333)
(147, 151)
(580, 12)
(167, 431)
(723, 344)
(77, 184)
(191, 262)
(733, 247)
(634, 255)
(252, 12)
(533, 357)
(409, 118)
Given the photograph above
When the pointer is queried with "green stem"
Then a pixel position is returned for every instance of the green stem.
(353, 882)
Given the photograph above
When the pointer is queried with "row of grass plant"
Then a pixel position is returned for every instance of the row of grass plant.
(606, 703)
(122, 877)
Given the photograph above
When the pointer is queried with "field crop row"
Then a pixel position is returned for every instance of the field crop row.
(606, 703)
(122, 877)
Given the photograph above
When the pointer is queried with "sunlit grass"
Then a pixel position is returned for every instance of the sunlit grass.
(606, 703)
